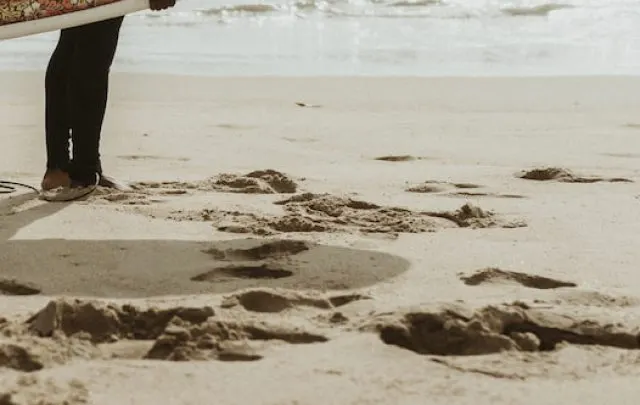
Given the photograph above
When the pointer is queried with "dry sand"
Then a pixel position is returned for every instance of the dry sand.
(330, 241)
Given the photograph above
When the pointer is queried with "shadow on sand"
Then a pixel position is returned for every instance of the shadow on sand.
(146, 268)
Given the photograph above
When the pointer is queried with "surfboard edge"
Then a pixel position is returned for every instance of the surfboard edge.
(68, 20)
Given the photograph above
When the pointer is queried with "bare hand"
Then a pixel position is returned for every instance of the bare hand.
(157, 5)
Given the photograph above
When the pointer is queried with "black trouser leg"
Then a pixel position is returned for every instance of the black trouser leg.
(87, 89)
(57, 120)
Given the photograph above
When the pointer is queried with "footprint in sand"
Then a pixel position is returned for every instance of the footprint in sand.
(452, 190)
(398, 158)
(433, 186)
(263, 271)
(153, 157)
(266, 250)
(458, 331)
(498, 276)
(623, 155)
(13, 287)
(147, 193)
(267, 181)
(565, 176)
(283, 263)
(300, 140)
(235, 126)
(478, 194)
(109, 196)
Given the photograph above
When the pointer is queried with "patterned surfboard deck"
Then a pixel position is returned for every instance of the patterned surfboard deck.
(19, 18)
(16, 11)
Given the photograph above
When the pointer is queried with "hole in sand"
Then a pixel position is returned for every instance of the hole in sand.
(245, 272)
(396, 158)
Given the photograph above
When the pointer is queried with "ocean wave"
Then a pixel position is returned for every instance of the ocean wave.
(317, 6)
(373, 8)
(541, 10)
(436, 9)
(414, 3)
(251, 9)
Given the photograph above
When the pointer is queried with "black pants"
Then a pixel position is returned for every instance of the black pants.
(76, 87)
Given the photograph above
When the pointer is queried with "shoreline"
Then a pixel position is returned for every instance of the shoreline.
(118, 72)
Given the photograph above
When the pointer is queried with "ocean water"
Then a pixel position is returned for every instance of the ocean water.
(370, 37)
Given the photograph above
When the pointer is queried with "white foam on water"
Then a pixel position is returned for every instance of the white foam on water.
(370, 37)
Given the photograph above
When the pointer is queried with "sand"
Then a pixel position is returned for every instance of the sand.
(329, 241)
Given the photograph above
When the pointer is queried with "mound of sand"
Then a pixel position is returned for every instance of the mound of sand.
(310, 212)
(266, 181)
(177, 333)
(495, 275)
(493, 329)
(566, 176)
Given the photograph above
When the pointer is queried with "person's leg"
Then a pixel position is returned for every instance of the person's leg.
(95, 47)
(57, 122)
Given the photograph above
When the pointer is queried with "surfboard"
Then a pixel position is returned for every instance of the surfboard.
(19, 18)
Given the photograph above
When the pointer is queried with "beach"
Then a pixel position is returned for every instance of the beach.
(329, 240)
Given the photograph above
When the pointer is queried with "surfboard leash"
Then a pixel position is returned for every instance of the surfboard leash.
(10, 187)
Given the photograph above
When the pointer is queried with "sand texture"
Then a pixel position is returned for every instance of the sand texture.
(403, 241)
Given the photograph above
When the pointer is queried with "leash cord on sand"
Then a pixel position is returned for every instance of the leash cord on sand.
(10, 187)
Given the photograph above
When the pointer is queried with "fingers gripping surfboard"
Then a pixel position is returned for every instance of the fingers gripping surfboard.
(19, 18)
